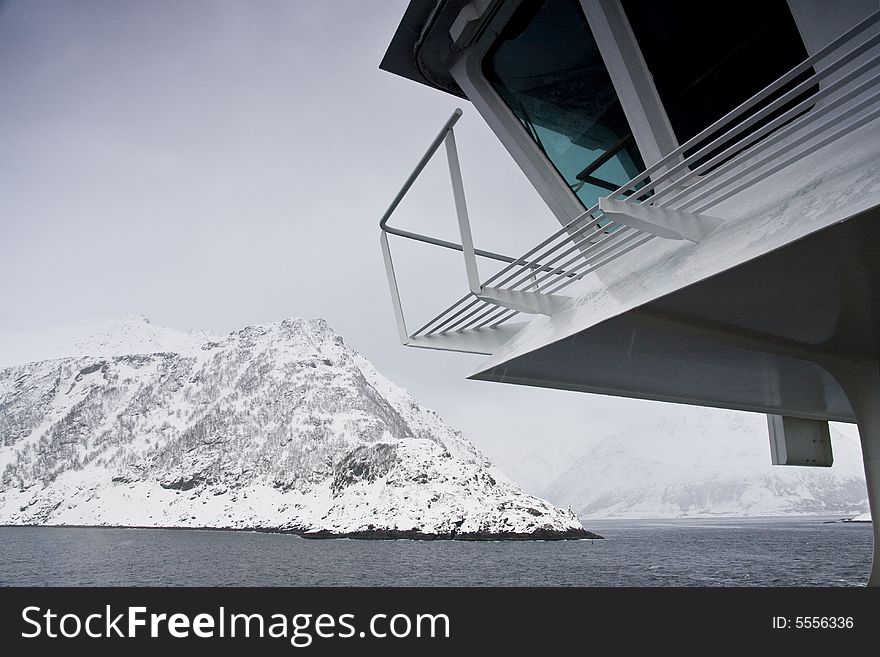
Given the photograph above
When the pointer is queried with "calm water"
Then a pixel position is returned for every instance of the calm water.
(635, 553)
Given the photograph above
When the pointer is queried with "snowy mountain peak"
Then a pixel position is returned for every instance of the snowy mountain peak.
(305, 333)
(276, 426)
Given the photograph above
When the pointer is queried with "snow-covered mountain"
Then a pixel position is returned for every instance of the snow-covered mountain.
(703, 463)
(279, 426)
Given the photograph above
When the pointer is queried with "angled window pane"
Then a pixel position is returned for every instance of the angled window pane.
(546, 67)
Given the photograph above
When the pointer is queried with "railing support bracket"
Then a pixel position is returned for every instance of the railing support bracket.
(662, 222)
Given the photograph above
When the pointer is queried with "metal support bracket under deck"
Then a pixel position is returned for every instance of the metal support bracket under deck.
(535, 303)
(798, 441)
(662, 222)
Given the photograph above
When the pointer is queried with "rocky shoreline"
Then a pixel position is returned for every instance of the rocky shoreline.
(391, 535)
(372, 535)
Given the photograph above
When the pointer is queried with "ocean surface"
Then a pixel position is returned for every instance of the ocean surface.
(755, 552)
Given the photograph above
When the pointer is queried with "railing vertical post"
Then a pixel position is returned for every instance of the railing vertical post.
(464, 224)
(395, 292)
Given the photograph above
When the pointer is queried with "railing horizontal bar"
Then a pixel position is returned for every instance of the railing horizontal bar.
(456, 319)
(500, 311)
(522, 260)
(779, 134)
(611, 249)
(765, 111)
(457, 325)
(809, 130)
(614, 242)
(568, 281)
(437, 318)
(837, 134)
(445, 244)
(511, 315)
(456, 115)
(751, 102)
(427, 239)
(576, 247)
(576, 237)
(547, 253)
(492, 309)
(442, 325)
(440, 328)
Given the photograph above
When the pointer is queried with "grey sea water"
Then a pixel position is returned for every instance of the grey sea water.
(759, 552)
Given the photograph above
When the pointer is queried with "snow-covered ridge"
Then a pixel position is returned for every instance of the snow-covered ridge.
(277, 426)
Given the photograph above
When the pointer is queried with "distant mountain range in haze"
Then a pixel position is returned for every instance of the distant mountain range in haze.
(708, 463)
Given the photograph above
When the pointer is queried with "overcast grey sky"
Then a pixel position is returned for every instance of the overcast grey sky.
(218, 164)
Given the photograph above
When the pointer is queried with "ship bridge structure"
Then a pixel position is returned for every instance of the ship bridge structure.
(715, 172)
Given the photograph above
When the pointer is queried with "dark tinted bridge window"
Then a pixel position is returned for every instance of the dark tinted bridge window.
(707, 58)
(546, 67)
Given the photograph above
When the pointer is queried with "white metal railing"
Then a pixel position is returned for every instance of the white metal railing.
(827, 96)
(445, 330)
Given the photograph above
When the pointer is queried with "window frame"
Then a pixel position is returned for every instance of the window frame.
(467, 71)
(632, 80)
(637, 95)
